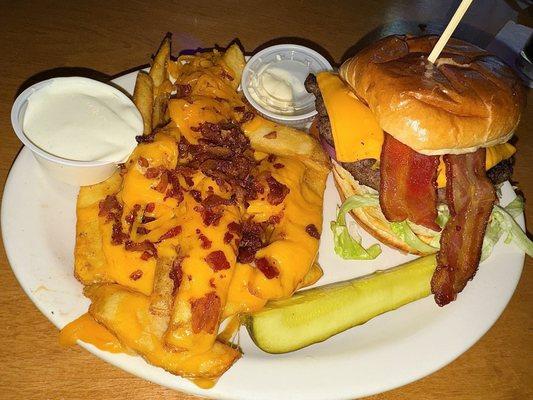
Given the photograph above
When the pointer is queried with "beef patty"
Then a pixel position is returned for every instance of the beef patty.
(367, 171)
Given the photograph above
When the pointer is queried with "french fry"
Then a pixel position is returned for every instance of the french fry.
(158, 71)
(161, 269)
(198, 303)
(312, 276)
(161, 298)
(159, 113)
(90, 264)
(126, 314)
(234, 59)
(143, 97)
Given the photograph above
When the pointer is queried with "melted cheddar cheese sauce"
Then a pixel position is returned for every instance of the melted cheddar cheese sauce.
(357, 134)
(127, 315)
(250, 288)
(199, 277)
(86, 329)
(138, 190)
(300, 208)
(162, 288)
(213, 93)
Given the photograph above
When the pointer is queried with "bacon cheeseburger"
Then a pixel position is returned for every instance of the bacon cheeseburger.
(419, 148)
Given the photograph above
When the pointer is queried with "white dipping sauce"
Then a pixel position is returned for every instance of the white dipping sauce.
(82, 119)
(279, 86)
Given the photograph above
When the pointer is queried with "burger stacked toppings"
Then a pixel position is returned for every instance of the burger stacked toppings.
(422, 135)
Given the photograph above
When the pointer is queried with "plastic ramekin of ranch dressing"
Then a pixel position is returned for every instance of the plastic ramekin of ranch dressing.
(78, 129)
(273, 83)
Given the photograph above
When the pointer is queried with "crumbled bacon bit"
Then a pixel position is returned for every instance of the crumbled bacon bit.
(217, 260)
(212, 283)
(206, 243)
(136, 275)
(184, 170)
(227, 237)
(251, 241)
(267, 268)
(184, 148)
(147, 247)
(117, 235)
(161, 187)
(271, 135)
(146, 219)
(152, 172)
(214, 200)
(271, 158)
(142, 231)
(235, 227)
(110, 208)
(312, 231)
(182, 90)
(176, 273)
(176, 190)
(205, 313)
(275, 219)
(239, 109)
(209, 217)
(188, 181)
(143, 162)
(145, 138)
(223, 153)
(150, 207)
(278, 191)
(225, 74)
(278, 165)
(171, 233)
(248, 116)
(132, 214)
(196, 195)
(252, 188)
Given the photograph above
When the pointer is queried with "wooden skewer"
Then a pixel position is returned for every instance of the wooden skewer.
(461, 10)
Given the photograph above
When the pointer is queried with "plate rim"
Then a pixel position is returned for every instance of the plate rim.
(187, 387)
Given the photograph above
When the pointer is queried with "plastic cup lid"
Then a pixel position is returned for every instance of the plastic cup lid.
(292, 61)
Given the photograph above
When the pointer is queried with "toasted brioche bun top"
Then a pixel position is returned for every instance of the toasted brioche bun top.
(468, 99)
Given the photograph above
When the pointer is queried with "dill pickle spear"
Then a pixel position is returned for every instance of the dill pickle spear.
(314, 315)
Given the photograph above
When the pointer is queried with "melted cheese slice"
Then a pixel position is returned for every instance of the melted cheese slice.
(495, 155)
(356, 132)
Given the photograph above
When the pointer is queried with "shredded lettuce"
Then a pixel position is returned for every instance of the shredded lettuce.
(443, 215)
(515, 207)
(403, 231)
(346, 245)
(502, 222)
(505, 219)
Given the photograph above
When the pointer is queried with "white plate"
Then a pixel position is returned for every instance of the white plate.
(38, 225)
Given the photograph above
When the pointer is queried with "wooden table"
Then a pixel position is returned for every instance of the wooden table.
(105, 38)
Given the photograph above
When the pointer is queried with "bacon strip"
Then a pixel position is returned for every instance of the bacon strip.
(408, 185)
(471, 197)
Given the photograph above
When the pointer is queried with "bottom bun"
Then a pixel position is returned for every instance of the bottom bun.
(371, 218)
